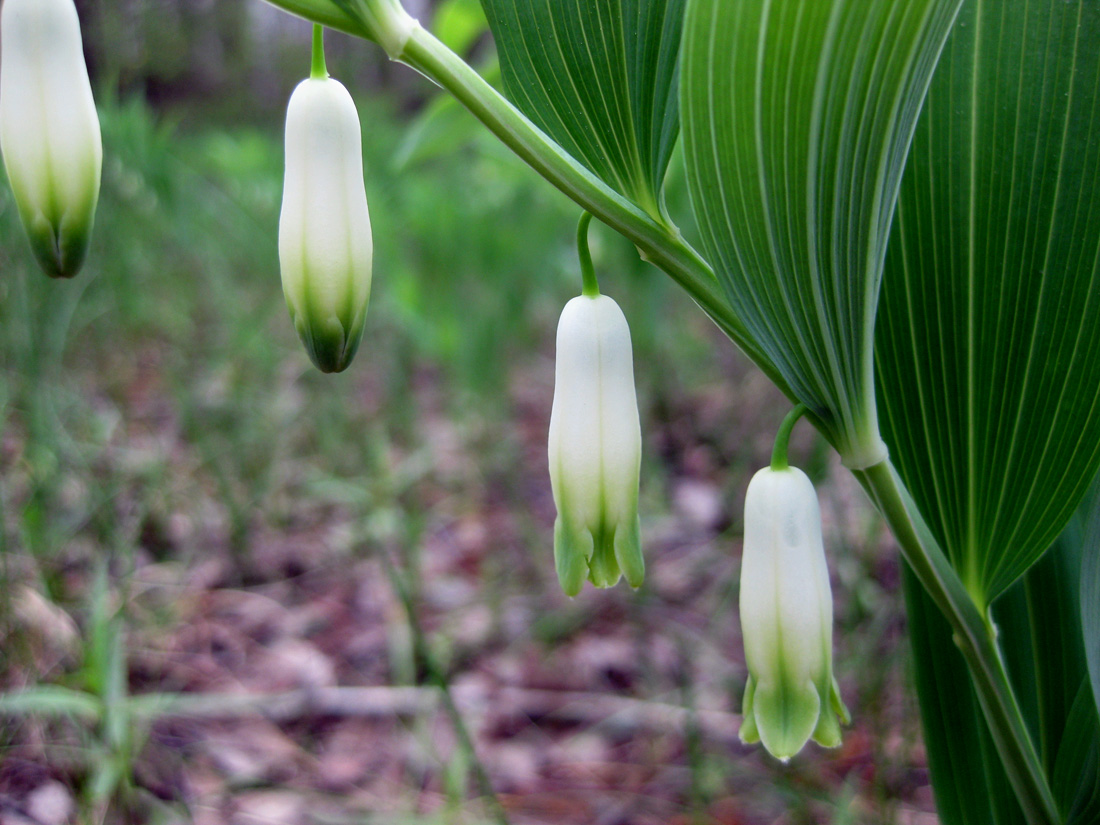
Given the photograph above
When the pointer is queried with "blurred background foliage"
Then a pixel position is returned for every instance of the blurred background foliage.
(474, 253)
(237, 61)
(166, 450)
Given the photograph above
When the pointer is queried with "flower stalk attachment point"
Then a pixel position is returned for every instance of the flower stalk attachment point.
(385, 21)
(49, 130)
(591, 286)
(325, 242)
(595, 444)
(787, 613)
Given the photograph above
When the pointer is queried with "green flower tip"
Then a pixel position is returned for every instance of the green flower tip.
(786, 619)
(784, 716)
(602, 558)
(595, 448)
(329, 348)
(325, 243)
(49, 130)
(60, 249)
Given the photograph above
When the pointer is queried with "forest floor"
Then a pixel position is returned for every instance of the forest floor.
(313, 699)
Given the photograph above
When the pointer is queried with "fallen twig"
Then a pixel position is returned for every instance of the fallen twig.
(619, 712)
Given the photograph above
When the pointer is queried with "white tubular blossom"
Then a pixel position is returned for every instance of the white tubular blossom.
(325, 242)
(49, 130)
(595, 448)
(787, 618)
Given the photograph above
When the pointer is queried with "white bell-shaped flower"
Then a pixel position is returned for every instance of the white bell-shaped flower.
(787, 618)
(325, 243)
(49, 130)
(595, 448)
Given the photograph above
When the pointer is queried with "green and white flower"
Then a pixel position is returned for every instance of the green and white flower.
(595, 448)
(787, 618)
(325, 243)
(49, 130)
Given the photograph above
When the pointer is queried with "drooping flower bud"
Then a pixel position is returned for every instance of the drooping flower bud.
(787, 618)
(325, 243)
(595, 448)
(49, 130)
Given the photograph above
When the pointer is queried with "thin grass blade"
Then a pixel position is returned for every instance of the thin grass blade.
(51, 700)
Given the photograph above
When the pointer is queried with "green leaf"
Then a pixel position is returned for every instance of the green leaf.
(330, 13)
(440, 127)
(600, 79)
(1039, 630)
(797, 117)
(1054, 669)
(990, 315)
(1077, 770)
(1090, 591)
(970, 786)
(1040, 638)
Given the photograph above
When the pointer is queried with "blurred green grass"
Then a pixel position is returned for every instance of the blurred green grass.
(177, 332)
(159, 411)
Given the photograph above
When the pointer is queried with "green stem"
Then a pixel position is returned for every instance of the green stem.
(657, 243)
(974, 636)
(325, 12)
(319, 70)
(385, 22)
(783, 437)
(591, 286)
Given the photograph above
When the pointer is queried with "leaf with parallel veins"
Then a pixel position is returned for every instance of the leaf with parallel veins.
(600, 79)
(797, 118)
(987, 345)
